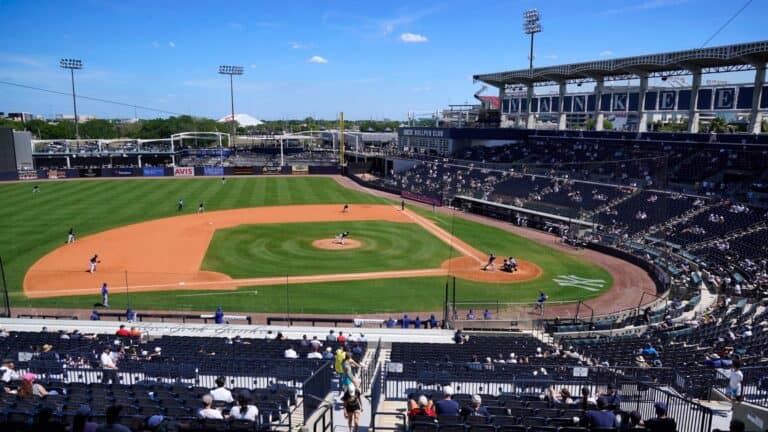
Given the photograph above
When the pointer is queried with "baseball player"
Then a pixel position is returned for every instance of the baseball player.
(340, 238)
(345, 209)
(491, 259)
(35, 189)
(402, 205)
(180, 206)
(93, 261)
(71, 236)
(104, 295)
(540, 302)
(200, 208)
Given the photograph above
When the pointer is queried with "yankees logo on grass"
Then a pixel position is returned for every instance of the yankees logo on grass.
(579, 282)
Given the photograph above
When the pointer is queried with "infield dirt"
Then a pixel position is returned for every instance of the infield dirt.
(166, 254)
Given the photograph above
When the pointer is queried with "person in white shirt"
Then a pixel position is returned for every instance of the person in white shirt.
(208, 412)
(735, 381)
(314, 354)
(8, 371)
(220, 393)
(290, 353)
(106, 359)
(243, 410)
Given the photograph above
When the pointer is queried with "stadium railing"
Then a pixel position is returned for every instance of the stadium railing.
(755, 384)
(316, 388)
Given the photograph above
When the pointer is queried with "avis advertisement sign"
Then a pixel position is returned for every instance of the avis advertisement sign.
(183, 172)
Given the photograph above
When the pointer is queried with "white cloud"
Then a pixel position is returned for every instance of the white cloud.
(318, 60)
(20, 59)
(550, 57)
(413, 38)
(606, 53)
(253, 66)
(172, 44)
(299, 45)
(155, 44)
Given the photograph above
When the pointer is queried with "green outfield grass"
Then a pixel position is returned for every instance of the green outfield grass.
(265, 250)
(32, 226)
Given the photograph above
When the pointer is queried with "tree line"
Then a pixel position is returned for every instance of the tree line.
(165, 127)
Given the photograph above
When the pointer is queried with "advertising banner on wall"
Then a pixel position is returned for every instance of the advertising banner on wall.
(183, 172)
(271, 170)
(27, 175)
(154, 172)
(122, 172)
(90, 172)
(242, 170)
(213, 171)
(299, 169)
(57, 174)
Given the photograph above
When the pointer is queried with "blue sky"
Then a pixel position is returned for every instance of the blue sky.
(370, 59)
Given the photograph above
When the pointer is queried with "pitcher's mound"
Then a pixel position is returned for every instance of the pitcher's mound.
(333, 244)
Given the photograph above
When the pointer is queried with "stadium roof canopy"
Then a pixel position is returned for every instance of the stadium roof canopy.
(728, 58)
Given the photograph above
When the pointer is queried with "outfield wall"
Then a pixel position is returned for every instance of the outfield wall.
(149, 171)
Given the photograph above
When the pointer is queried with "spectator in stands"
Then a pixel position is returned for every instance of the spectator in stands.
(611, 398)
(112, 419)
(244, 410)
(314, 354)
(8, 371)
(122, 331)
(352, 407)
(446, 405)
(207, 411)
(476, 409)
(218, 316)
(81, 421)
(330, 337)
(108, 365)
(44, 423)
(647, 315)
(304, 341)
(586, 401)
(37, 389)
(735, 382)
(417, 323)
(135, 332)
(221, 393)
(600, 417)
(315, 342)
(737, 426)
(460, 337)
(470, 315)
(95, 315)
(290, 353)
(661, 423)
(341, 338)
(649, 351)
(357, 351)
(328, 355)
(421, 407)
(390, 323)
(348, 374)
(339, 358)
(562, 398)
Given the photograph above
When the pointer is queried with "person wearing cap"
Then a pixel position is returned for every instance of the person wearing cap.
(446, 405)
(422, 406)
(208, 411)
(221, 393)
(218, 316)
(328, 355)
(610, 398)
(476, 409)
(290, 353)
(244, 410)
(8, 371)
(600, 417)
(660, 423)
(352, 407)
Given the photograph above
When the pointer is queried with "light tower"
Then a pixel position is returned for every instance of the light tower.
(73, 64)
(231, 71)
(531, 26)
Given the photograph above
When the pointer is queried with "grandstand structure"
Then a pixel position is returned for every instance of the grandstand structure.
(641, 100)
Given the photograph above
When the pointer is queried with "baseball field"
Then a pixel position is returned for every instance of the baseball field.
(263, 244)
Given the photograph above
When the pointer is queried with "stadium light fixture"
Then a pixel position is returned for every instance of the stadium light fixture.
(73, 64)
(531, 26)
(231, 71)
